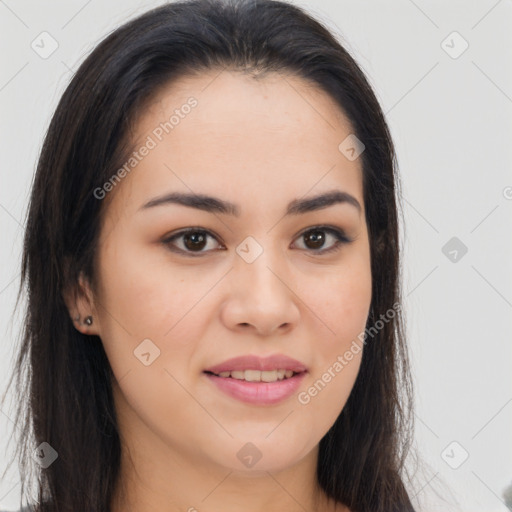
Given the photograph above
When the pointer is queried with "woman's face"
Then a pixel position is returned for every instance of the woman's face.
(254, 283)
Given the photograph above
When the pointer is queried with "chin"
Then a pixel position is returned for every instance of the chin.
(267, 455)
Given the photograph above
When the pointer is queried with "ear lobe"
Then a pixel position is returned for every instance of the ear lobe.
(79, 301)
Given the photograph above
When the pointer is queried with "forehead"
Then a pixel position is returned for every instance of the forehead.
(228, 134)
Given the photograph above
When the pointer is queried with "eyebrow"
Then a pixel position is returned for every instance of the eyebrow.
(216, 205)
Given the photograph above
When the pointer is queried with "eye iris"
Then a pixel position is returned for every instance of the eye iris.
(317, 237)
(198, 240)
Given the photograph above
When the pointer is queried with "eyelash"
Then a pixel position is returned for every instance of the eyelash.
(341, 239)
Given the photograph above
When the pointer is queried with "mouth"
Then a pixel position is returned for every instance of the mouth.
(257, 375)
(258, 380)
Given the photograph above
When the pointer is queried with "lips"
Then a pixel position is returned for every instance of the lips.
(257, 393)
(256, 380)
(251, 362)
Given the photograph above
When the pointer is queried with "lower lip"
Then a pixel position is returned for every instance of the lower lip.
(259, 393)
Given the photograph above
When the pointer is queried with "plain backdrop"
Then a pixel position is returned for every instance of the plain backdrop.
(442, 72)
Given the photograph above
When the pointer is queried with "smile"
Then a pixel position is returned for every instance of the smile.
(257, 375)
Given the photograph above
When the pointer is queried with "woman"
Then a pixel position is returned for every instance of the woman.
(212, 268)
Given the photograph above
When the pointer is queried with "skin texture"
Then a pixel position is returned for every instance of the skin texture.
(260, 144)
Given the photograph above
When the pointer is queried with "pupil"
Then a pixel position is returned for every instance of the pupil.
(197, 240)
(316, 237)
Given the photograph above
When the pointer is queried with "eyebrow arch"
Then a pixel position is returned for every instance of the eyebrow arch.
(213, 204)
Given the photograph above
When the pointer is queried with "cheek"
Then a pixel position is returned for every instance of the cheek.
(144, 299)
(343, 307)
(146, 314)
(341, 303)
(141, 293)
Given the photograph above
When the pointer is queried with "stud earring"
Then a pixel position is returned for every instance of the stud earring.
(77, 317)
(88, 320)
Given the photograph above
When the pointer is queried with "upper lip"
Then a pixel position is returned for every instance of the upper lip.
(252, 362)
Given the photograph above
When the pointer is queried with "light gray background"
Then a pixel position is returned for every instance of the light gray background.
(452, 125)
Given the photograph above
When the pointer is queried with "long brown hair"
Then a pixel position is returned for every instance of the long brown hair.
(63, 377)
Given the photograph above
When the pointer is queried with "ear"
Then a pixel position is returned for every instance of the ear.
(79, 301)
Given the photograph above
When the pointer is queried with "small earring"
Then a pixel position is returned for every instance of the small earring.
(77, 317)
(88, 320)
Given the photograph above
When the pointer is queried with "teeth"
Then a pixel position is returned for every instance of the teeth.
(257, 375)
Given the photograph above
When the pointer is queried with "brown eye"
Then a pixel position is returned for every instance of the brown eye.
(192, 241)
(316, 238)
(196, 240)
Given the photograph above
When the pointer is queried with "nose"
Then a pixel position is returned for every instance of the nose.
(261, 297)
